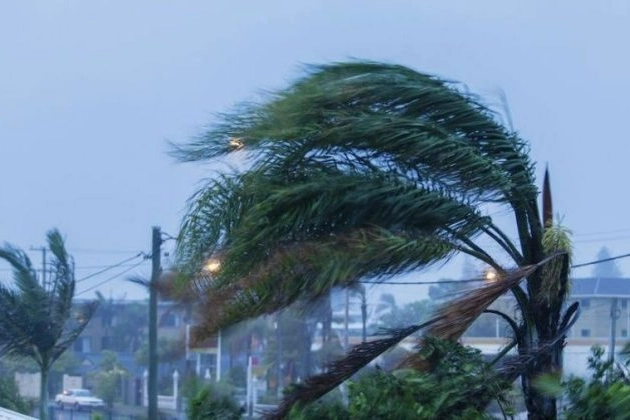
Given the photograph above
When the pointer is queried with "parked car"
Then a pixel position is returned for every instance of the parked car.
(78, 399)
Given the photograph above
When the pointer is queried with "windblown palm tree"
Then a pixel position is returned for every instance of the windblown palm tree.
(40, 322)
(362, 170)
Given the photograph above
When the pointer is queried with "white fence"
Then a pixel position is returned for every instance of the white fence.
(163, 401)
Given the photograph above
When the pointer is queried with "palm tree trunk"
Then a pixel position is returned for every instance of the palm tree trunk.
(540, 406)
(43, 393)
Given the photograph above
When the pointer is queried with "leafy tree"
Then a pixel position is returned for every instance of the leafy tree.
(109, 377)
(39, 322)
(10, 397)
(124, 323)
(606, 268)
(168, 350)
(361, 170)
(401, 316)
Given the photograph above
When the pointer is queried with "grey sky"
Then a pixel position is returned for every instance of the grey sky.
(90, 92)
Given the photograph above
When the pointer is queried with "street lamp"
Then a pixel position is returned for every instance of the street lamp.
(210, 267)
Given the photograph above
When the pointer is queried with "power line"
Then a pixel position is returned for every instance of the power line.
(110, 278)
(83, 267)
(94, 267)
(482, 279)
(99, 251)
(603, 232)
(421, 282)
(600, 261)
(110, 267)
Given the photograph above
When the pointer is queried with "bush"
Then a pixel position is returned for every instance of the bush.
(10, 397)
(606, 395)
(459, 386)
(213, 402)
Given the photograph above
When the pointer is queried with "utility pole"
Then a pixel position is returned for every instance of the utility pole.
(279, 373)
(346, 320)
(614, 314)
(43, 249)
(156, 250)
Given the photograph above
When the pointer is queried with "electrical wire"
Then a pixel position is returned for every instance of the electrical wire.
(110, 267)
(601, 261)
(482, 279)
(99, 251)
(110, 278)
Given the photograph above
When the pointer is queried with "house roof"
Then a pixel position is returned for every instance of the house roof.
(605, 287)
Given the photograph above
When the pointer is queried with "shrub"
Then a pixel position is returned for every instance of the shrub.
(213, 402)
(459, 386)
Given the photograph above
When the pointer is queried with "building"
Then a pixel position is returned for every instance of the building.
(122, 327)
(604, 319)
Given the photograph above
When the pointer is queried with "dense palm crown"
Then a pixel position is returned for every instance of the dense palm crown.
(362, 170)
(39, 321)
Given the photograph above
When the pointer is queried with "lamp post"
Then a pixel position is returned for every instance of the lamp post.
(212, 266)
(156, 269)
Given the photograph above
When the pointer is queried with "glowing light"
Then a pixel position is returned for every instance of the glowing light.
(236, 143)
(212, 265)
(491, 275)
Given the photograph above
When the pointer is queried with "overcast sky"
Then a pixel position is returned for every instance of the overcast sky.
(92, 91)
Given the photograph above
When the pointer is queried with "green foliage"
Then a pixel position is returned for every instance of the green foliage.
(606, 395)
(458, 387)
(411, 313)
(10, 397)
(606, 268)
(125, 323)
(329, 407)
(39, 322)
(364, 169)
(108, 378)
(213, 402)
(168, 351)
(361, 169)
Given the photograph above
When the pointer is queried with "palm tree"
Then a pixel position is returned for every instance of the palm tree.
(364, 169)
(36, 321)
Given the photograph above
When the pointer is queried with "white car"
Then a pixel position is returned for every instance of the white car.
(78, 399)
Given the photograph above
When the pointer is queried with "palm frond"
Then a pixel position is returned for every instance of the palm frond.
(448, 323)
(254, 211)
(341, 370)
(513, 367)
(341, 107)
(73, 328)
(34, 318)
(349, 147)
(307, 270)
(457, 316)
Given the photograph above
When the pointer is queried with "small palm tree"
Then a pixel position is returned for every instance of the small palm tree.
(36, 321)
(370, 170)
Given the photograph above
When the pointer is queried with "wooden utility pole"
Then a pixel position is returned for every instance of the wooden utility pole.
(43, 249)
(614, 314)
(156, 250)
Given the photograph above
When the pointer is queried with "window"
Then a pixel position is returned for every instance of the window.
(585, 303)
(624, 303)
(624, 332)
(106, 343)
(83, 345)
(585, 332)
(170, 320)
